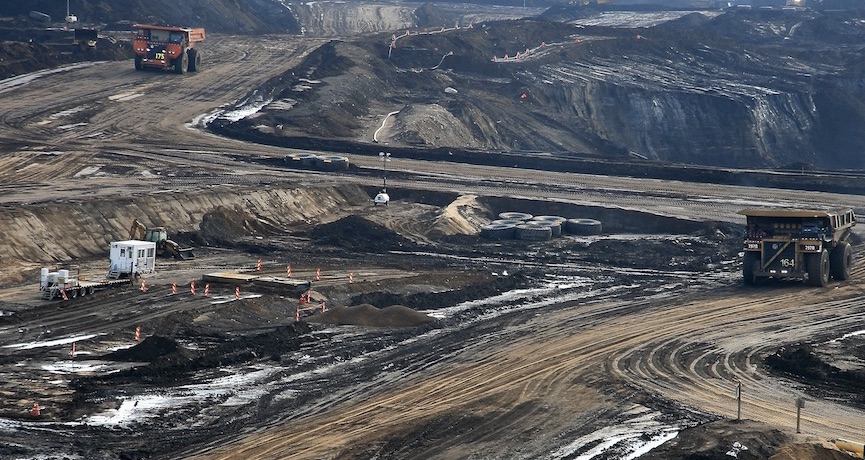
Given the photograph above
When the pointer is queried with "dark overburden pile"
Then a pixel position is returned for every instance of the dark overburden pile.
(803, 364)
(358, 234)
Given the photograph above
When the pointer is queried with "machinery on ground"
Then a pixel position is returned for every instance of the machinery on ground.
(158, 235)
(381, 198)
(163, 47)
(801, 244)
(61, 285)
(85, 38)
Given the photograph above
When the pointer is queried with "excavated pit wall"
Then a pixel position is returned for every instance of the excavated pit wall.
(51, 233)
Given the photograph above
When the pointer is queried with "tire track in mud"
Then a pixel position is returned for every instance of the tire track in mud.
(734, 335)
(533, 369)
(133, 108)
(99, 320)
(645, 343)
(515, 372)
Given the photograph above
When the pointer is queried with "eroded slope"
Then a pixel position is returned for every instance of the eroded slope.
(733, 90)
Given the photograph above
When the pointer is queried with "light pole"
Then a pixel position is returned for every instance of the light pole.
(385, 157)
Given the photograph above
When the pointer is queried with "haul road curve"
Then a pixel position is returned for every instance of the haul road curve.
(536, 379)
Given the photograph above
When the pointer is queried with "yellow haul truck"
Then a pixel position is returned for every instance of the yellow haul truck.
(797, 243)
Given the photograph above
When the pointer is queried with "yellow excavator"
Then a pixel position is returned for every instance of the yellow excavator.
(158, 235)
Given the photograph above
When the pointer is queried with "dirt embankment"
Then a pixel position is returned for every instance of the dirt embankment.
(226, 16)
(46, 233)
(24, 50)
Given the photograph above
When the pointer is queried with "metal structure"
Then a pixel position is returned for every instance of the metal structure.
(382, 197)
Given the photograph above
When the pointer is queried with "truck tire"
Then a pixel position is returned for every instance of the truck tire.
(534, 231)
(583, 226)
(841, 259)
(181, 64)
(818, 269)
(507, 221)
(557, 223)
(498, 231)
(515, 215)
(750, 267)
(331, 163)
(138, 62)
(194, 60)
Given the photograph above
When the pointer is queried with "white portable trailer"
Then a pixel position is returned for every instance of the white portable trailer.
(132, 257)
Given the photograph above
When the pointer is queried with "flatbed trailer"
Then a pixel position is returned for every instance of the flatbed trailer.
(60, 285)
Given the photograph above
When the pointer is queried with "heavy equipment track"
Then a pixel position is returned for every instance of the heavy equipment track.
(520, 383)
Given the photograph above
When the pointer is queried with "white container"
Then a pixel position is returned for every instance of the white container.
(132, 256)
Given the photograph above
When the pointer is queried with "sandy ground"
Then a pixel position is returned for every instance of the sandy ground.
(600, 346)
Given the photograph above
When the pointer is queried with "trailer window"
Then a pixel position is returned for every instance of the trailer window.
(149, 252)
(176, 37)
(122, 252)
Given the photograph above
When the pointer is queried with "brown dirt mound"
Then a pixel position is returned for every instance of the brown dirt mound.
(369, 315)
(226, 225)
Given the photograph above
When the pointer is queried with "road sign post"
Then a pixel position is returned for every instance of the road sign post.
(800, 403)
(739, 401)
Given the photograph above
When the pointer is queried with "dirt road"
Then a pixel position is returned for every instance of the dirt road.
(518, 390)
(538, 380)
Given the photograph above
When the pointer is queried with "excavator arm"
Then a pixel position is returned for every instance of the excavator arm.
(137, 231)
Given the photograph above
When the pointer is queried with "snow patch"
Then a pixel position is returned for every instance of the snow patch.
(49, 343)
(21, 80)
(627, 440)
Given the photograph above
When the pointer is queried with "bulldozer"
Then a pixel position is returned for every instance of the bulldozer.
(158, 235)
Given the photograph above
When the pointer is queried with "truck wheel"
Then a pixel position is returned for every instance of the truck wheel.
(138, 64)
(841, 260)
(181, 64)
(583, 226)
(194, 60)
(818, 269)
(750, 267)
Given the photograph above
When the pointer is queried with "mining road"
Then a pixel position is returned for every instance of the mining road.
(514, 389)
